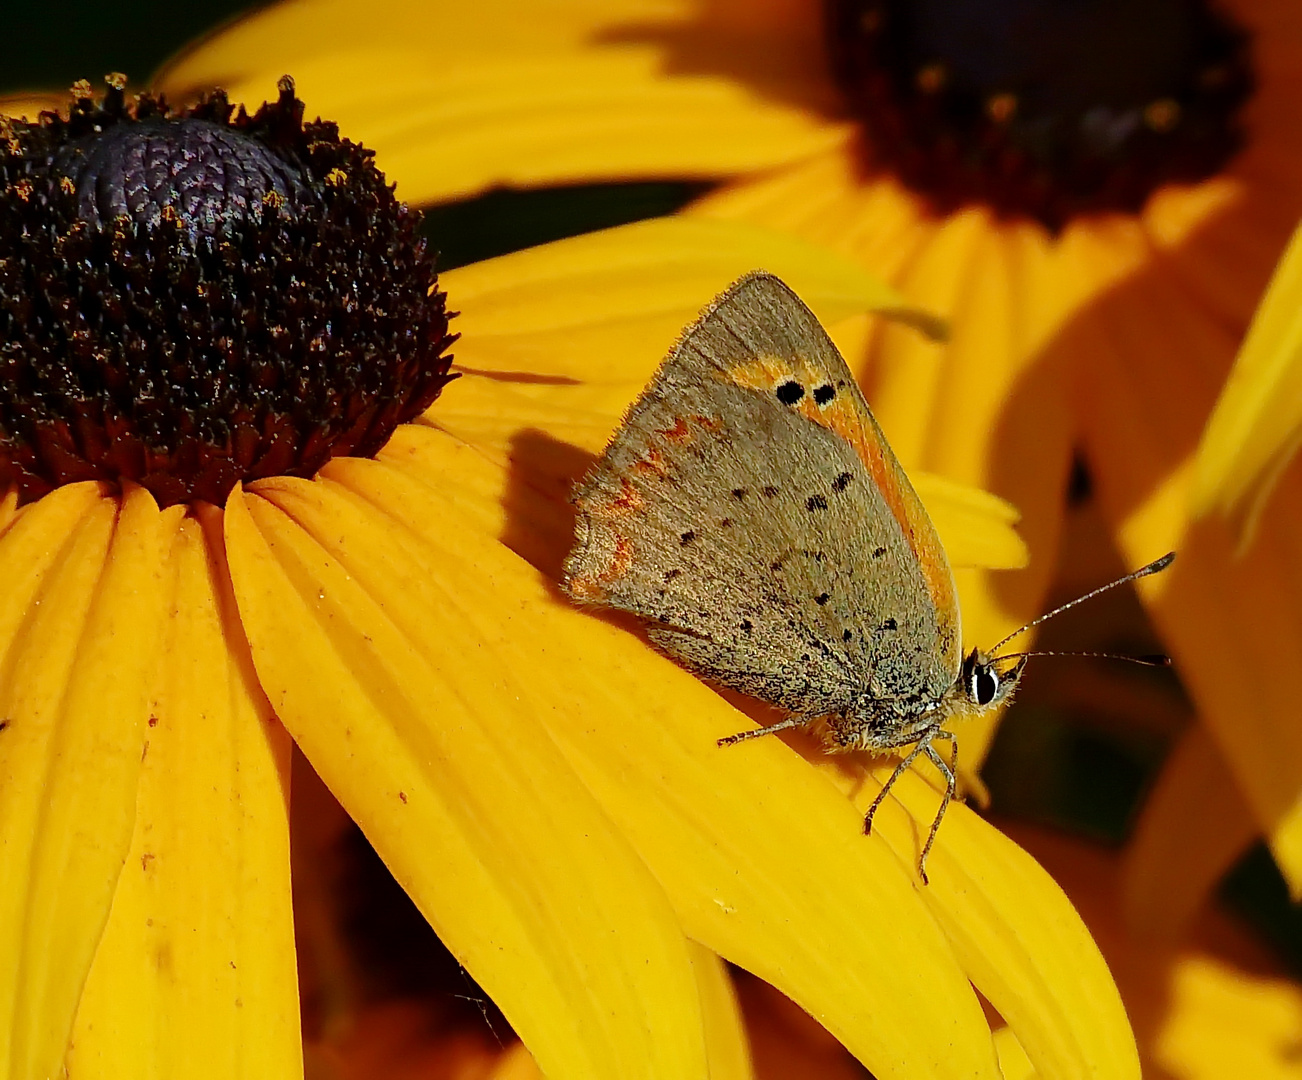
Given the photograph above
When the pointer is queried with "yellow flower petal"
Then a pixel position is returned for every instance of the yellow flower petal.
(430, 744)
(1286, 844)
(969, 522)
(1013, 1062)
(826, 201)
(195, 974)
(724, 1030)
(1256, 427)
(1226, 1022)
(1194, 825)
(8, 508)
(1221, 228)
(80, 621)
(529, 94)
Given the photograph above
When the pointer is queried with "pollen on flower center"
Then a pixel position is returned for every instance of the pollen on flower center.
(1043, 110)
(190, 300)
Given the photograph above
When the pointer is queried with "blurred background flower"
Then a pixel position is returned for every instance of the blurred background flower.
(1091, 334)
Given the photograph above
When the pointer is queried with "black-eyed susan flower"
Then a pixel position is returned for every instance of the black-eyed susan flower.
(232, 521)
(1093, 196)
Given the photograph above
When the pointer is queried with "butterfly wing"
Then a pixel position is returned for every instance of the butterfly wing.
(751, 511)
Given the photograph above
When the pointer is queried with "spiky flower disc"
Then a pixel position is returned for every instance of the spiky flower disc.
(191, 299)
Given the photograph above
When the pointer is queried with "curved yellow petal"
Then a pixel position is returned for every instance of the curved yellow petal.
(1194, 825)
(725, 1031)
(195, 975)
(975, 526)
(80, 621)
(829, 201)
(528, 94)
(1220, 239)
(765, 863)
(1226, 1022)
(1285, 840)
(8, 509)
(1256, 426)
(430, 742)
(1013, 1062)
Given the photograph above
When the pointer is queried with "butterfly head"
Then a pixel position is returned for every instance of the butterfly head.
(986, 682)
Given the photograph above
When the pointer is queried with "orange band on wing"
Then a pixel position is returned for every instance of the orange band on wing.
(829, 402)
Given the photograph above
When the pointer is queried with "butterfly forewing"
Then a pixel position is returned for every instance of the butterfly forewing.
(750, 510)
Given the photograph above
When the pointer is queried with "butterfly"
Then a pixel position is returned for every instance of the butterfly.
(751, 511)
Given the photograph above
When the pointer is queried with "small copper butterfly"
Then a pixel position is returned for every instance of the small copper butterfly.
(751, 511)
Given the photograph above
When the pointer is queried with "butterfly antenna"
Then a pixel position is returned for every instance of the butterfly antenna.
(1155, 567)
(1153, 660)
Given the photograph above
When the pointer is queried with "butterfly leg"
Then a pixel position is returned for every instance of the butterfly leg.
(905, 762)
(755, 733)
(949, 770)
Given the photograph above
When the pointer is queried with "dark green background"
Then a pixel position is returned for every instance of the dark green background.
(51, 46)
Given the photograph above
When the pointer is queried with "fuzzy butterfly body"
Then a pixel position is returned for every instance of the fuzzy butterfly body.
(751, 511)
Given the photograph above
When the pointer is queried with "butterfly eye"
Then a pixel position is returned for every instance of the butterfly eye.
(983, 686)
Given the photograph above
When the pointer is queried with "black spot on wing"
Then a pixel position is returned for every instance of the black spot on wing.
(790, 392)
